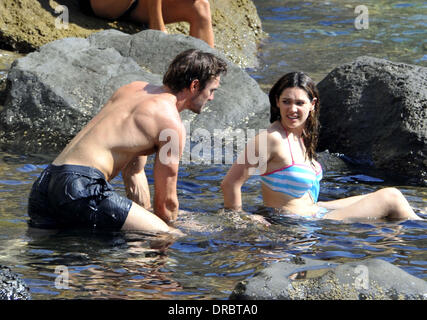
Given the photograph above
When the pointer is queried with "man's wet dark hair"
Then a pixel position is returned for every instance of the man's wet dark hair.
(190, 65)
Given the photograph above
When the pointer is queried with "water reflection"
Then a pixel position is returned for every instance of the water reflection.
(99, 265)
(221, 249)
(316, 36)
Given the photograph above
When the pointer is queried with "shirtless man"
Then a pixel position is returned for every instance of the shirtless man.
(74, 191)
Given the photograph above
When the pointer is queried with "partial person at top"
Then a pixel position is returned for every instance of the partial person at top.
(157, 13)
(291, 182)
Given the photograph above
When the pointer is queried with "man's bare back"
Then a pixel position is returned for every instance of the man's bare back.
(126, 127)
(75, 191)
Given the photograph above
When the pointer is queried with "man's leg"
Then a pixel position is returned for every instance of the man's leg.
(196, 12)
(140, 219)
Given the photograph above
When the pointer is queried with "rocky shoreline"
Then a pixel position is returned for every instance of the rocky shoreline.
(373, 110)
(26, 25)
(12, 287)
(307, 279)
(42, 111)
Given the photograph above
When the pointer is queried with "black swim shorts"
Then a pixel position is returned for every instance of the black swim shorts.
(86, 8)
(70, 196)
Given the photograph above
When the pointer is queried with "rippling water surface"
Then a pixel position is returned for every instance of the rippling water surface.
(221, 249)
(218, 250)
(316, 36)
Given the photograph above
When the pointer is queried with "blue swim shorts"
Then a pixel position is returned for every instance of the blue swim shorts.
(71, 196)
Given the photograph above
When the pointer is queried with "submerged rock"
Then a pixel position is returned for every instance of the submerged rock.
(375, 112)
(26, 25)
(12, 287)
(54, 92)
(331, 162)
(306, 279)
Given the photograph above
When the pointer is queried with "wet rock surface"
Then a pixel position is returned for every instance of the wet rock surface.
(307, 279)
(12, 287)
(375, 112)
(52, 93)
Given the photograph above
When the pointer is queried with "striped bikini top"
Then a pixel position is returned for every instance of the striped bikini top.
(294, 180)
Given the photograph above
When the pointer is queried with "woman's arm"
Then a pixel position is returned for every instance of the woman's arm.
(254, 156)
(231, 186)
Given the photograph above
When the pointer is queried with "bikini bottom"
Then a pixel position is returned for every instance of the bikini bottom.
(86, 8)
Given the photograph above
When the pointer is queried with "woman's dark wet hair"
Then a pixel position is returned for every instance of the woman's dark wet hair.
(191, 65)
(302, 81)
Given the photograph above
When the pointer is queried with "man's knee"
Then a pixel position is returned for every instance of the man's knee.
(202, 9)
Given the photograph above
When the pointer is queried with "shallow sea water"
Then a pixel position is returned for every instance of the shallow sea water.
(218, 251)
(221, 249)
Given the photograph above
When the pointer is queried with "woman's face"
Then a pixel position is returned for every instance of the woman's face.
(295, 106)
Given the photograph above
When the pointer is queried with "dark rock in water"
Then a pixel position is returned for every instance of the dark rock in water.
(319, 280)
(11, 286)
(55, 91)
(375, 112)
(331, 162)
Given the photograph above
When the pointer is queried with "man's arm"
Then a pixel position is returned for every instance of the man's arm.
(136, 183)
(171, 146)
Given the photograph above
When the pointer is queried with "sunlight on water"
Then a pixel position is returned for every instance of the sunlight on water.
(316, 36)
(221, 249)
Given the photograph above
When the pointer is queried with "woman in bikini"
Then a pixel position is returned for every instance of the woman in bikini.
(157, 13)
(291, 180)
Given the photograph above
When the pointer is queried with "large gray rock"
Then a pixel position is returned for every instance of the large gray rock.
(55, 91)
(26, 25)
(12, 287)
(319, 280)
(375, 112)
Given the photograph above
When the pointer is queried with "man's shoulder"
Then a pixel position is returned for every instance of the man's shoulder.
(137, 84)
(161, 111)
(132, 87)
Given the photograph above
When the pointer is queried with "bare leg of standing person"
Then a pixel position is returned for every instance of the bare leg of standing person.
(196, 12)
(157, 13)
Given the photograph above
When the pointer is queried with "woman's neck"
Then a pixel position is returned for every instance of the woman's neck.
(295, 133)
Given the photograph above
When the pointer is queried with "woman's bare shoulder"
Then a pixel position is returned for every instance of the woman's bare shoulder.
(274, 134)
